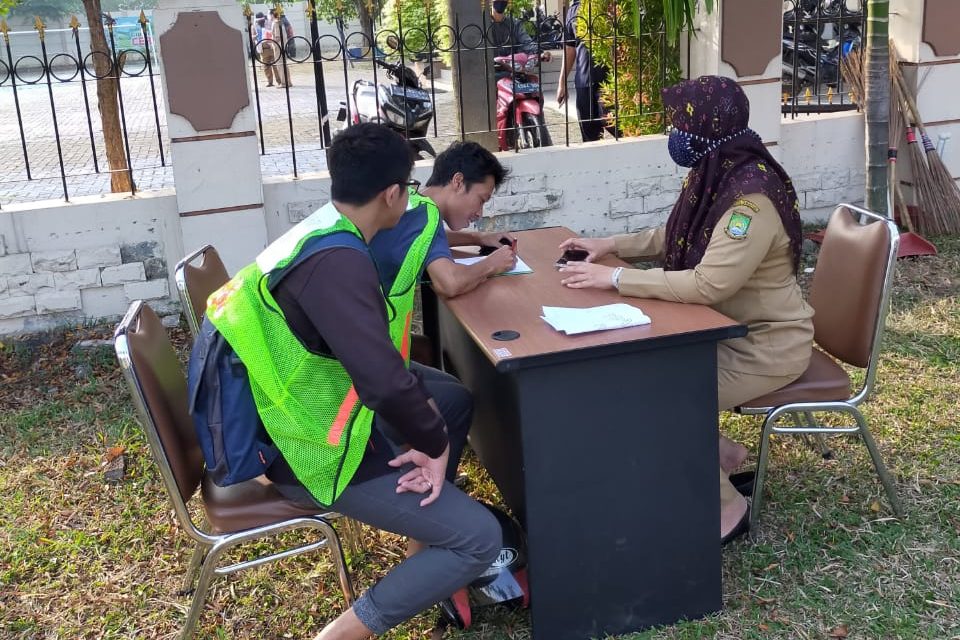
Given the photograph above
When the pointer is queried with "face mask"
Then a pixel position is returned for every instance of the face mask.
(681, 151)
(500, 6)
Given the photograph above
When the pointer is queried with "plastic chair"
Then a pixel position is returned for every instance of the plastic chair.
(850, 294)
(241, 513)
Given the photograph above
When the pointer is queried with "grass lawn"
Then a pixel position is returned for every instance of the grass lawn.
(83, 558)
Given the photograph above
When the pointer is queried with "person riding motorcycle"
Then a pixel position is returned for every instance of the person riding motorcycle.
(508, 35)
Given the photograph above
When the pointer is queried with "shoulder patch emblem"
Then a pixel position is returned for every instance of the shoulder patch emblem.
(743, 202)
(738, 226)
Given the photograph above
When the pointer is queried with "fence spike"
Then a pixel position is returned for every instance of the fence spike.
(39, 26)
(279, 10)
(4, 29)
(808, 95)
(143, 18)
(247, 11)
(310, 11)
(829, 95)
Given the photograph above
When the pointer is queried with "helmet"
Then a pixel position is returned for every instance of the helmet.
(504, 581)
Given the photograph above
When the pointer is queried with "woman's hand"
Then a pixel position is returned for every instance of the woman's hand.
(584, 275)
(595, 247)
(427, 475)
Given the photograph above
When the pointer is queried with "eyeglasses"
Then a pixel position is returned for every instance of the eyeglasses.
(411, 184)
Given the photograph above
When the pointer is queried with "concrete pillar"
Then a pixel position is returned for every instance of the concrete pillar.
(211, 123)
(927, 37)
(473, 80)
(741, 39)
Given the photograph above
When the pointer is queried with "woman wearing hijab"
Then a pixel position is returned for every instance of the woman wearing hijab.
(732, 242)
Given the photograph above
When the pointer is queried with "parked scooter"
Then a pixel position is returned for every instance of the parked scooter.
(519, 102)
(402, 104)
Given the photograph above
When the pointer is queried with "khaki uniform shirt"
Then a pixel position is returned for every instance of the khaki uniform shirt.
(746, 274)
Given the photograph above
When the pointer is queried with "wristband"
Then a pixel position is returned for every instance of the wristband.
(615, 277)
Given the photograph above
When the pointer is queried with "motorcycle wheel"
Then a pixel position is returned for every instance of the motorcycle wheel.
(535, 132)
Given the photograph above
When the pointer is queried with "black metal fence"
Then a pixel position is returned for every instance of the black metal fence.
(53, 142)
(390, 75)
(69, 80)
(817, 36)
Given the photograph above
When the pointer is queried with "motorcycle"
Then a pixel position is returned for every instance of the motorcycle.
(547, 30)
(403, 105)
(519, 102)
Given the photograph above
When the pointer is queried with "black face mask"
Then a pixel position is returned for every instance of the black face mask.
(500, 6)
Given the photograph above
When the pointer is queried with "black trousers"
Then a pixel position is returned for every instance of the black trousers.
(591, 113)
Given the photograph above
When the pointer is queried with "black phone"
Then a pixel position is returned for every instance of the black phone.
(572, 255)
(486, 249)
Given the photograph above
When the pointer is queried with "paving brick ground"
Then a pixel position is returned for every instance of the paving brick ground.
(278, 110)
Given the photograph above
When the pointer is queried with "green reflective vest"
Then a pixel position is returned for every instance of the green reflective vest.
(307, 402)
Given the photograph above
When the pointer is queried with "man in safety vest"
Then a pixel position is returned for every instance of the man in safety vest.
(325, 350)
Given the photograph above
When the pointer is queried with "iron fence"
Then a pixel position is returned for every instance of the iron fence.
(390, 75)
(53, 145)
(73, 87)
(817, 36)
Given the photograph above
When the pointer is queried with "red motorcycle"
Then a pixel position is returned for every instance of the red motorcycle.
(519, 102)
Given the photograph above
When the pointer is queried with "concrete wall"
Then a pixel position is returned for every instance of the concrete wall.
(67, 263)
(64, 264)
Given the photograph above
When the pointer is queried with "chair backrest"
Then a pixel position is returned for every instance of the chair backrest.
(195, 282)
(851, 285)
(159, 391)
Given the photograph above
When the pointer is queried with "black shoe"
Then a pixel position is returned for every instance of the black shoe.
(742, 527)
(743, 482)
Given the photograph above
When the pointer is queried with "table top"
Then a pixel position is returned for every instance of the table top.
(514, 303)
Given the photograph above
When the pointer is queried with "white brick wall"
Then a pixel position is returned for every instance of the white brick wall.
(98, 257)
(104, 302)
(29, 284)
(17, 306)
(149, 290)
(81, 279)
(131, 272)
(63, 260)
(3, 285)
(58, 301)
(15, 264)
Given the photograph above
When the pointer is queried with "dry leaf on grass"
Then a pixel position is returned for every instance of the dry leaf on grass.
(113, 452)
(839, 631)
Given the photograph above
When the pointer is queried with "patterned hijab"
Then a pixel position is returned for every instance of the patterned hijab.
(714, 111)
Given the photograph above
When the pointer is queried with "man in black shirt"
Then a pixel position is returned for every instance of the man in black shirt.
(332, 302)
(587, 76)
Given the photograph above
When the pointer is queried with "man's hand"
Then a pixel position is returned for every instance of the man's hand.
(427, 476)
(583, 275)
(561, 94)
(595, 247)
(501, 260)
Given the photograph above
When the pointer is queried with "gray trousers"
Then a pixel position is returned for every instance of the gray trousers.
(463, 538)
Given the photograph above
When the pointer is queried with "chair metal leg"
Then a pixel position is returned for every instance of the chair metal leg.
(199, 553)
(340, 562)
(822, 447)
(207, 569)
(882, 472)
(764, 452)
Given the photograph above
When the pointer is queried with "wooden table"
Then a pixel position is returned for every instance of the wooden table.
(603, 444)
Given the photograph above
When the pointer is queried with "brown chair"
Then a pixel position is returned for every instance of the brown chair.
(850, 294)
(241, 513)
(195, 283)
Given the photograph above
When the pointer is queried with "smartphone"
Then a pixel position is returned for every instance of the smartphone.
(486, 250)
(572, 255)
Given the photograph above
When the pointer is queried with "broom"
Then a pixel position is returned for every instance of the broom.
(947, 194)
(926, 191)
(896, 135)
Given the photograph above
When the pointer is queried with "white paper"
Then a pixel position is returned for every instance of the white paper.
(572, 321)
(521, 266)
